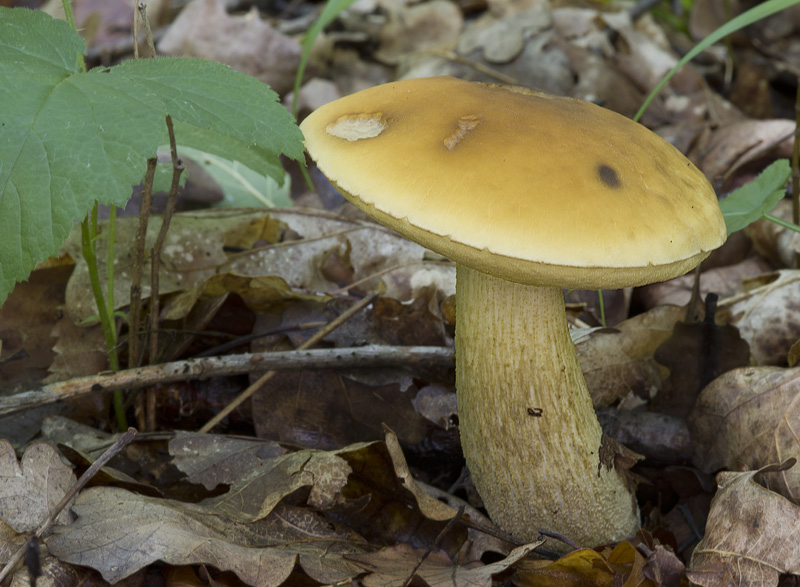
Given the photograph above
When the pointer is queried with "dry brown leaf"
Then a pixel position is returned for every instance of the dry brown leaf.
(391, 567)
(748, 418)
(751, 535)
(30, 490)
(416, 28)
(431, 508)
(585, 567)
(118, 532)
(197, 249)
(27, 318)
(324, 409)
(774, 242)
(246, 43)
(739, 143)
(211, 460)
(80, 351)
(619, 362)
(724, 281)
(260, 475)
(768, 317)
(695, 354)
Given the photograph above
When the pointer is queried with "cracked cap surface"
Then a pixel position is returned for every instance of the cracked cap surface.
(523, 185)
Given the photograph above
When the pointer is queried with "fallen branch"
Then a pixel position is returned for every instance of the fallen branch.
(356, 357)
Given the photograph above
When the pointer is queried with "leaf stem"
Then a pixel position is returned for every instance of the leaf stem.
(782, 222)
(89, 250)
(71, 20)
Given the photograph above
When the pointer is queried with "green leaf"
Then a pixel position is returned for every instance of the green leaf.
(755, 199)
(69, 138)
(254, 157)
(243, 187)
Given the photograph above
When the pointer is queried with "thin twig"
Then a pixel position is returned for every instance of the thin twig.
(333, 325)
(559, 537)
(449, 526)
(113, 451)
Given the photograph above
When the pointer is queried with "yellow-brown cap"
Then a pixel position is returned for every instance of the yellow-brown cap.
(529, 187)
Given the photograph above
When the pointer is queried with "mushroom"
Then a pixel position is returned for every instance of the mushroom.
(528, 193)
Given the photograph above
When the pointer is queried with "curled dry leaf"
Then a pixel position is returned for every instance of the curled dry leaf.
(748, 418)
(751, 534)
(736, 144)
(768, 316)
(774, 242)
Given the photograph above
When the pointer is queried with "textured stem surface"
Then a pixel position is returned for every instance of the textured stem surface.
(530, 435)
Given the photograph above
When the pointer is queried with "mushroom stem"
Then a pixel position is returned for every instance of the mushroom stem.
(528, 429)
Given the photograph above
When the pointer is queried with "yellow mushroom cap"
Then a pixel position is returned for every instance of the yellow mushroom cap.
(526, 186)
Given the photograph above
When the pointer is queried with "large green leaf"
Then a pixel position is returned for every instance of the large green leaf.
(68, 138)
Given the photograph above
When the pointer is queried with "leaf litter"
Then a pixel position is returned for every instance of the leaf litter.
(330, 503)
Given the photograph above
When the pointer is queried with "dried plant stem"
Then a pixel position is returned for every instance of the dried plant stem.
(155, 266)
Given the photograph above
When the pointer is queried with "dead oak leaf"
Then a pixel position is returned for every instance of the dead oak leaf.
(751, 535)
(118, 532)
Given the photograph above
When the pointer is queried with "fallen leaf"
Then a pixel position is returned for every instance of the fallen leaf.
(246, 43)
(746, 419)
(118, 532)
(751, 534)
(392, 567)
(736, 144)
(619, 361)
(767, 316)
(417, 28)
(260, 475)
(207, 250)
(27, 319)
(30, 490)
(695, 354)
(325, 409)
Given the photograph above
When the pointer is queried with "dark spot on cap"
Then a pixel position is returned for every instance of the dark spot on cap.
(608, 175)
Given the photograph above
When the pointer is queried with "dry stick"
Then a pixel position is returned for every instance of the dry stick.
(333, 325)
(140, 377)
(121, 443)
(155, 266)
(449, 526)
